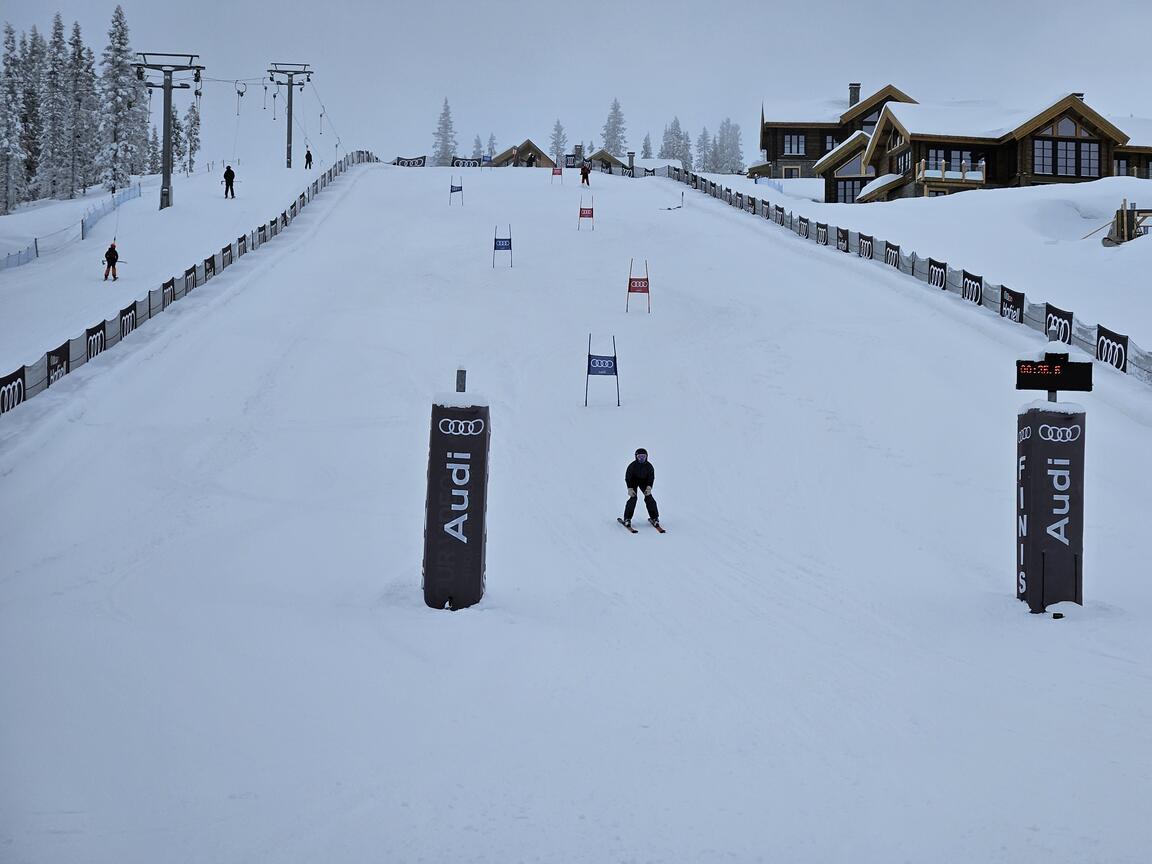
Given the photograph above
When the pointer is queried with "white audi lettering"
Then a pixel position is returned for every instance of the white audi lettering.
(460, 473)
(1061, 478)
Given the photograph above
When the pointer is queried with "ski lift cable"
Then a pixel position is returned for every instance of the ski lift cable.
(324, 112)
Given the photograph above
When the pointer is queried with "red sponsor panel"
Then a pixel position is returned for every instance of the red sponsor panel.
(585, 212)
(638, 285)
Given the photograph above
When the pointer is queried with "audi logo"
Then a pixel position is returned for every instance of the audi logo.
(1024, 434)
(892, 256)
(1062, 326)
(95, 344)
(11, 395)
(461, 427)
(1059, 434)
(804, 228)
(937, 275)
(822, 235)
(640, 284)
(1111, 352)
(865, 248)
(972, 289)
(127, 323)
(601, 364)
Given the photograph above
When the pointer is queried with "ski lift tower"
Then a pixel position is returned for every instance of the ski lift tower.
(167, 64)
(285, 73)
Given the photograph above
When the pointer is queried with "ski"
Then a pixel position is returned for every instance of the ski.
(629, 527)
(656, 525)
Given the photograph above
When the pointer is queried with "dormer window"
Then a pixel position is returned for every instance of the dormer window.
(895, 140)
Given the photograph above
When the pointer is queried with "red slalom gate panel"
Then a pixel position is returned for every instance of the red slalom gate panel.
(638, 285)
(585, 212)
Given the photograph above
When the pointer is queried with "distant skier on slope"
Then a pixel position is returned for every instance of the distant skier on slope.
(585, 171)
(110, 259)
(639, 478)
(229, 179)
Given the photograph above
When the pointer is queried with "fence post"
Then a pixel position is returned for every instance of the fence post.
(36, 246)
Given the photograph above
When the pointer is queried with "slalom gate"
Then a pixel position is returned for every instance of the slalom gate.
(587, 213)
(600, 365)
(34, 378)
(638, 285)
(501, 244)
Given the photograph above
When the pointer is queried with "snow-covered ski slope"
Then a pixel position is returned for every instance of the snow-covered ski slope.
(213, 645)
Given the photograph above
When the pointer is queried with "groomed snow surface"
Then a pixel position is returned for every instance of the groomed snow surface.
(213, 644)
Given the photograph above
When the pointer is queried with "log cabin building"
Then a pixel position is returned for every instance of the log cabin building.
(927, 150)
(518, 156)
(792, 147)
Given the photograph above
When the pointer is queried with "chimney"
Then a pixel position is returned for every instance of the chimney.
(579, 151)
(631, 160)
(853, 93)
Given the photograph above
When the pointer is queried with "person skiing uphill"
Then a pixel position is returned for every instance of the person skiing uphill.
(639, 478)
(110, 259)
(229, 179)
(585, 171)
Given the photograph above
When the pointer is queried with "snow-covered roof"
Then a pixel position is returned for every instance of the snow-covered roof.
(832, 156)
(806, 112)
(879, 185)
(973, 119)
(652, 164)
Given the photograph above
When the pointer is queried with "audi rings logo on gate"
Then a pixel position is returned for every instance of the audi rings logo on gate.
(1059, 434)
(601, 364)
(1061, 326)
(11, 395)
(461, 427)
(1111, 352)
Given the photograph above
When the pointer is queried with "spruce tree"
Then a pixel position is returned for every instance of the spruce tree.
(670, 143)
(477, 147)
(179, 142)
(192, 134)
(704, 152)
(646, 147)
(444, 140)
(54, 100)
(615, 139)
(491, 144)
(33, 53)
(685, 151)
(11, 153)
(559, 142)
(117, 96)
(155, 158)
(85, 125)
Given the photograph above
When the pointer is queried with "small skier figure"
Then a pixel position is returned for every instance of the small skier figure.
(639, 478)
(110, 259)
(585, 170)
(307, 160)
(229, 179)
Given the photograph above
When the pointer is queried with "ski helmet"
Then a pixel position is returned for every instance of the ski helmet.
(640, 450)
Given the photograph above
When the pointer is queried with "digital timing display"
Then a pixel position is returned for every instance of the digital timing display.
(1053, 375)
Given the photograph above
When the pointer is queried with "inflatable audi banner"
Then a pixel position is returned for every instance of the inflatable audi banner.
(454, 516)
(1050, 507)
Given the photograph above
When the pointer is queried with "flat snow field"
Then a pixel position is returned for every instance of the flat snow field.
(213, 643)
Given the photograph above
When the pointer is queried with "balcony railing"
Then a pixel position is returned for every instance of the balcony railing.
(963, 173)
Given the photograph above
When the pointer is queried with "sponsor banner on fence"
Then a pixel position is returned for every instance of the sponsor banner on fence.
(972, 287)
(167, 293)
(190, 279)
(1060, 321)
(242, 245)
(865, 248)
(1012, 305)
(821, 234)
(11, 390)
(209, 267)
(938, 274)
(1112, 348)
(842, 239)
(455, 506)
(59, 364)
(803, 230)
(262, 234)
(96, 341)
(779, 211)
(409, 162)
(465, 162)
(127, 320)
(891, 255)
(226, 256)
(1050, 507)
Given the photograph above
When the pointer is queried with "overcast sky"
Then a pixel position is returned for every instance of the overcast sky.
(384, 68)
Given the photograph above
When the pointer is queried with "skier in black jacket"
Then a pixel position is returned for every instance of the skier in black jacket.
(229, 179)
(639, 478)
(110, 259)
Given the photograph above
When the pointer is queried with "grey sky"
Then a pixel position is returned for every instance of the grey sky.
(384, 69)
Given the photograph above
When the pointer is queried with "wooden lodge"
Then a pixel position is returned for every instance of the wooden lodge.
(519, 156)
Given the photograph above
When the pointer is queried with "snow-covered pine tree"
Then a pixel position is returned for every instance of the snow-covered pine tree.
(139, 123)
(192, 134)
(670, 143)
(11, 153)
(589, 149)
(615, 139)
(646, 147)
(491, 144)
(117, 98)
(704, 152)
(444, 141)
(559, 142)
(179, 142)
(86, 116)
(721, 146)
(32, 57)
(155, 158)
(685, 153)
(735, 149)
(54, 150)
(477, 148)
